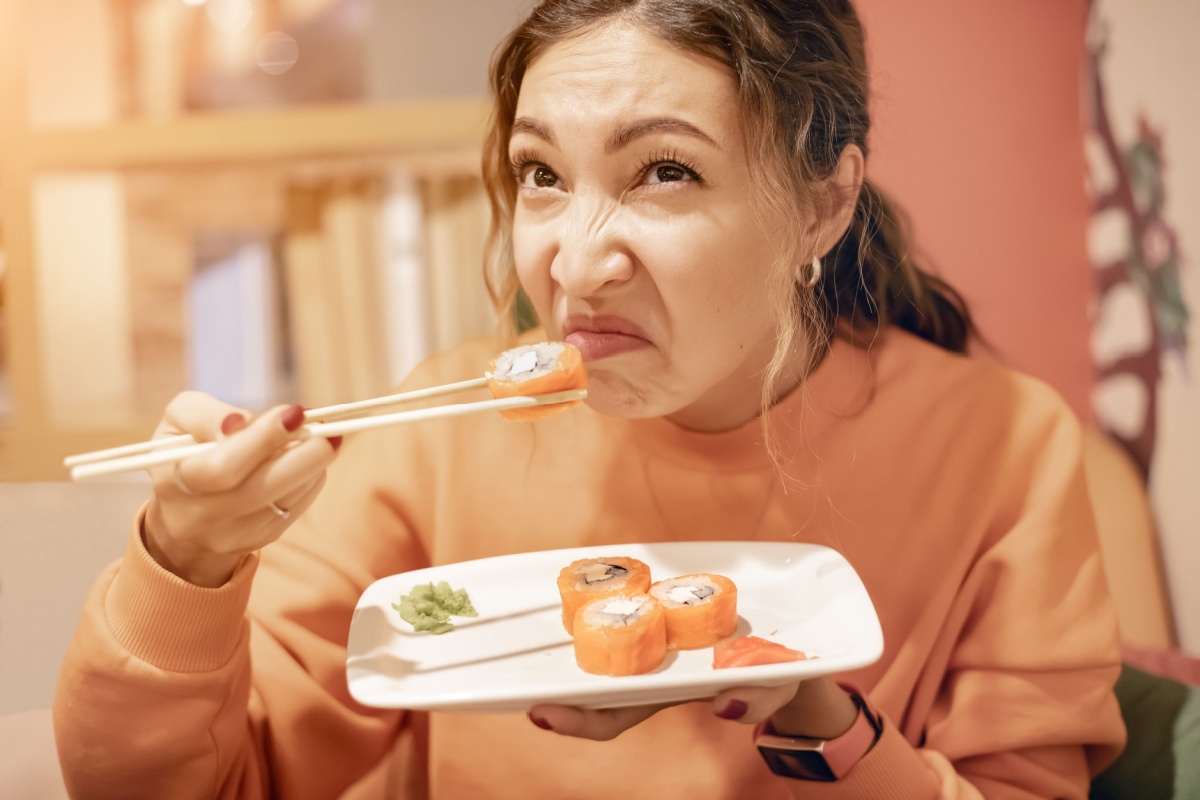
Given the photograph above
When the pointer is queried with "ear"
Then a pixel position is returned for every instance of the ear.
(844, 186)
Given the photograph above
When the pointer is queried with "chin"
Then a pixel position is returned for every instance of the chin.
(615, 396)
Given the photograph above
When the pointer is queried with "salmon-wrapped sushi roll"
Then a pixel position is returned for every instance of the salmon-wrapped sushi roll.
(532, 369)
(700, 609)
(620, 635)
(588, 579)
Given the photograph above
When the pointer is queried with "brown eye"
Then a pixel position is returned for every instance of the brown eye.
(544, 178)
(670, 172)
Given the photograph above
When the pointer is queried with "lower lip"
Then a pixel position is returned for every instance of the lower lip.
(594, 346)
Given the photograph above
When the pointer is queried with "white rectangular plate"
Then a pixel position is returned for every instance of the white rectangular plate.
(516, 652)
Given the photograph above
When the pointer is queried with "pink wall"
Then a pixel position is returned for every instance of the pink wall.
(978, 133)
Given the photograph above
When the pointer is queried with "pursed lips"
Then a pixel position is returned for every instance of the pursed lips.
(603, 336)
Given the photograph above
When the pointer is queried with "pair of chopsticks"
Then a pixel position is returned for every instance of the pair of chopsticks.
(170, 449)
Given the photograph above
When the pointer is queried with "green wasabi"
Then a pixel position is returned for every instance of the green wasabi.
(428, 607)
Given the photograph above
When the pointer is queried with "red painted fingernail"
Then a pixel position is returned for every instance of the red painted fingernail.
(293, 418)
(233, 423)
(335, 442)
(541, 723)
(735, 710)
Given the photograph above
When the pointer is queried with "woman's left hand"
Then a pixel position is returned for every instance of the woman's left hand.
(816, 708)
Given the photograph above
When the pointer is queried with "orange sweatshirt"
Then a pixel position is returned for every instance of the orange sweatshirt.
(952, 485)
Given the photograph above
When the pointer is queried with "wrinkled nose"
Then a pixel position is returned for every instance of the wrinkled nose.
(592, 256)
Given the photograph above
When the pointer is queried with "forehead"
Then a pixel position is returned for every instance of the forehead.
(617, 70)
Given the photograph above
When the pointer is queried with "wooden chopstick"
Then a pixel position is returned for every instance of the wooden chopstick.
(129, 463)
(319, 414)
(342, 409)
(128, 450)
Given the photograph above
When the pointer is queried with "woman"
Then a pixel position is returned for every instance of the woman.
(679, 190)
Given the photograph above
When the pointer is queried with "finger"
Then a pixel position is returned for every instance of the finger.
(234, 459)
(289, 471)
(232, 423)
(261, 526)
(752, 704)
(250, 516)
(599, 724)
(288, 508)
(202, 416)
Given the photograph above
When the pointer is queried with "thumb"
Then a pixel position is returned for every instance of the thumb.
(752, 704)
(206, 418)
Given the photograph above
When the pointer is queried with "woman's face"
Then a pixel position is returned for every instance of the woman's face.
(633, 233)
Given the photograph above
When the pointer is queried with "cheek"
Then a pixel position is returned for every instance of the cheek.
(532, 255)
(710, 275)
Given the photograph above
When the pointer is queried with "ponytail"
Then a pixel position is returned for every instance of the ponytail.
(872, 281)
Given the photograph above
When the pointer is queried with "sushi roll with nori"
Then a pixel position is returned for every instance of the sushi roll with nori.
(700, 609)
(533, 369)
(588, 579)
(623, 634)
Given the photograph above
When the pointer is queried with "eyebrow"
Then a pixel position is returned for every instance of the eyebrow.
(645, 127)
(624, 135)
(533, 126)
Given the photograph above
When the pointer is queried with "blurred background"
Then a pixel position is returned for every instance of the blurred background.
(279, 201)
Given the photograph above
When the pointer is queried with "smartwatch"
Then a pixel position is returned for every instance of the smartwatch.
(821, 759)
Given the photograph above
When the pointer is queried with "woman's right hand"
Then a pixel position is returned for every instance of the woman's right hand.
(209, 510)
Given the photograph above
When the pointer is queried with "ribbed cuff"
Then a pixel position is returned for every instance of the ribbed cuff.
(170, 623)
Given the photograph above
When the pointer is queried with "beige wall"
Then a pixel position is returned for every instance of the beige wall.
(55, 538)
(1151, 68)
(72, 69)
(422, 48)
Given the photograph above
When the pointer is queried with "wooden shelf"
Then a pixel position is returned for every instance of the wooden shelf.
(434, 136)
(284, 133)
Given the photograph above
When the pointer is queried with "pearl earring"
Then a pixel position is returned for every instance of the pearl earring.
(814, 274)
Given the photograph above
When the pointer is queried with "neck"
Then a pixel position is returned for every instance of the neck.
(730, 405)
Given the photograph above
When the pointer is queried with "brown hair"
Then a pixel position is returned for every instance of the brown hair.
(800, 72)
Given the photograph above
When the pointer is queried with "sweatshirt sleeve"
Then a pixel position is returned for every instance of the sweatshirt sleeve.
(1017, 699)
(157, 696)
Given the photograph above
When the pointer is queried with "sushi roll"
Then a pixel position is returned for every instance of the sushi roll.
(588, 579)
(700, 609)
(624, 634)
(531, 369)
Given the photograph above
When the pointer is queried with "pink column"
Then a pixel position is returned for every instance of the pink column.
(978, 134)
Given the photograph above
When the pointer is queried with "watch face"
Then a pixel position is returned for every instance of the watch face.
(809, 765)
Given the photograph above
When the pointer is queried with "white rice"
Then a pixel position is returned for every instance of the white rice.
(527, 362)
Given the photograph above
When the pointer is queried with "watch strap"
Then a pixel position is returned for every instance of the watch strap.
(821, 759)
